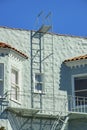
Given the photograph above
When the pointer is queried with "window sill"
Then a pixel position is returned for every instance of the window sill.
(39, 92)
(16, 101)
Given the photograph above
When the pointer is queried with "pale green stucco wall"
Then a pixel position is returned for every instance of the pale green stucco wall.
(63, 47)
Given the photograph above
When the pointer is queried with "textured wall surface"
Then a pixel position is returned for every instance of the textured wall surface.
(57, 76)
(80, 124)
(19, 40)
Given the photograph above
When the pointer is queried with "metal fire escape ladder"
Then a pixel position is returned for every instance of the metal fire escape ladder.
(65, 123)
(36, 61)
(60, 122)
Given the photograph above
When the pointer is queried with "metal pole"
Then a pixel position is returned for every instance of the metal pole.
(31, 74)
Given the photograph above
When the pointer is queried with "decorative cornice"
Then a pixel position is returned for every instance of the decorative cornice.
(7, 46)
(76, 63)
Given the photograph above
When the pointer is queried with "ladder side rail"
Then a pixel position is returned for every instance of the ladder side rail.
(58, 120)
(64, 123)
(36, 51)
(31, 71)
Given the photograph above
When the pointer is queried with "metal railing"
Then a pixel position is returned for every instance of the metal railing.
(77, 104)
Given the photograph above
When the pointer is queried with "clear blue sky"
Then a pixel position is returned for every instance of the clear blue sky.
(68, 16)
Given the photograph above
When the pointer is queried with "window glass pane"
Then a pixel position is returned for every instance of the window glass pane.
(1, 79)
(13, 93)
(81, 94)
(1, 70)
(38, 77)
(1, 88)
(81, 90)
(80, 84)
(14, 77)
(14, 84)
(38, 82)
(38, 86)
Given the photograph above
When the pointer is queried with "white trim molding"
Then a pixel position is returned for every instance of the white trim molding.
(76, 63)
(38, 81)
(73, 87)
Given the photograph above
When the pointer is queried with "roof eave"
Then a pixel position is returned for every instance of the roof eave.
(75, 63)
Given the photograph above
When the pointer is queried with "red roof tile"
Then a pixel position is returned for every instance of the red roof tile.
(5, 45)
(77, 58)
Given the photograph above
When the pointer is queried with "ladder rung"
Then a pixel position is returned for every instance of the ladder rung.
(37, 101)
(36, 62)
(36, 56)
(35, 43)
(48, 50)
(49, 43)
(48, 62)
(35, 68)
(36, 49)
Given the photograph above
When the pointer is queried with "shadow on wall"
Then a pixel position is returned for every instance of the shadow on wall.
(2, 128)
(80, 124)
(65, 79)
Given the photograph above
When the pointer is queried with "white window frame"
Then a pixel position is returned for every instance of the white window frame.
(73, 87)
(15, 86)
(37, 82)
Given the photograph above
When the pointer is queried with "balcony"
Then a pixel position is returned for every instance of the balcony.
(77, 104)
(45, 105)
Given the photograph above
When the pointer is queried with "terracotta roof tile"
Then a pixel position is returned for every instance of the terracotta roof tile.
(5, 45)
(76, 58)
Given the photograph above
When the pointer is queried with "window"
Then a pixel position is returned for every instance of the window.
(80, 90)
(15, 84)
(1, 79)
(38, 83)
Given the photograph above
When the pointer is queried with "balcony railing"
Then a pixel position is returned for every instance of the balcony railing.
(77, 104)
(51, 104)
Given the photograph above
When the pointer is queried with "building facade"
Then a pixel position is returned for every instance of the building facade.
(43, 79)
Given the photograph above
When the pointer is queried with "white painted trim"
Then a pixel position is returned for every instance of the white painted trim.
(80, 75)
(73, 91)
(16, 54)
(38, 91)
(16, 64)
(76, 63)
(18, 85)
(73, 87)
